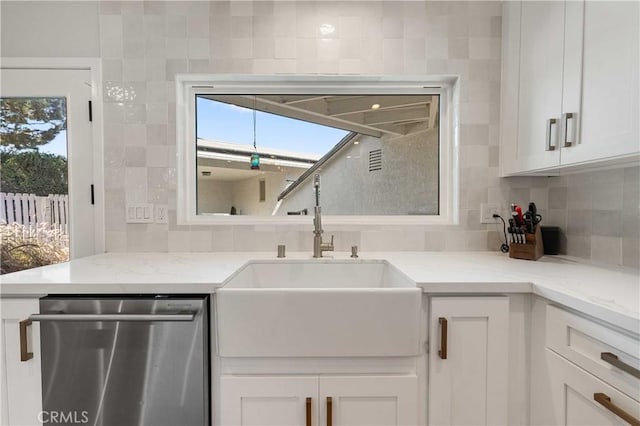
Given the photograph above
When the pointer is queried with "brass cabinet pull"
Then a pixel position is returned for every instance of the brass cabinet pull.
(613, 360)
(308, 412)
(25, 355)
(443, 338)
(329, 411)
(605, 401)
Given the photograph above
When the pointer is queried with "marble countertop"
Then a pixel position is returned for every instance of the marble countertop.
(609, 293)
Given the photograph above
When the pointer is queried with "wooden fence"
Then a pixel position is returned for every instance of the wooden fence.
(32, 211)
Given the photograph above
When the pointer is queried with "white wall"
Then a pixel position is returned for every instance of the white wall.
(144, 44)
(49, 29)
(214, 196)
(407, 183)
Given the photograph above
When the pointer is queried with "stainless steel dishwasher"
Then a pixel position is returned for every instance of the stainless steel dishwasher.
(125, 361)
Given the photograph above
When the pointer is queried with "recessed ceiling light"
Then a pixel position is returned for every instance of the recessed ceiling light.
(356, 142)
(375, 106)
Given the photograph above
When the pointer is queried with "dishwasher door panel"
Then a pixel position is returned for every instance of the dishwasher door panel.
(115, 373)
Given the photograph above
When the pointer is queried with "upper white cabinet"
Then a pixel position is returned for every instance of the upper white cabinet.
(569, 85)
(540, 84)
(468, 354)
(610, 76)
(21, 384)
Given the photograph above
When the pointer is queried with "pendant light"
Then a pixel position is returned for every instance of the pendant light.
(255, 158)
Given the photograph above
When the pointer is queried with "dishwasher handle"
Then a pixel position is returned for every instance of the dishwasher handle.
(180, 316)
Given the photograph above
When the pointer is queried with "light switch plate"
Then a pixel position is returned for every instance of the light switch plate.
(139, 213)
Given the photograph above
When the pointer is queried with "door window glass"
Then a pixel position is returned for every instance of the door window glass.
(34, 195)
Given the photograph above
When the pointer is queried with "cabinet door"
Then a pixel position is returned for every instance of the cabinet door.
(468, 347)
(268, 401)
(540, 88)
(369, 400)
(574, 396)
(509, 85)
(21, 399)
(610, 83)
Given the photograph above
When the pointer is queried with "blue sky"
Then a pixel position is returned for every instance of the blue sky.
(57, 146)
(230, 123)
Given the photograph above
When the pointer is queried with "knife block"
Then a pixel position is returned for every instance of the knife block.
(533, 249)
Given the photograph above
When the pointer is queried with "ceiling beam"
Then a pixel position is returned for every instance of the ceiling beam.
(339, 105)
(376, 117)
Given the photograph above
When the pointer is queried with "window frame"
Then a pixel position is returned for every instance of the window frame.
(190, 85)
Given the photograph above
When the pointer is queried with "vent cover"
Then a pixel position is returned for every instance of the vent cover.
(375, 160)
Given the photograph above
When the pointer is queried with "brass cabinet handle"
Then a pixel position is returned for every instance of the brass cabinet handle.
(443, 338)
(613, 360)
(25, 355)
(550, 123)
(605, 401)
(329, 411)
(308, 412)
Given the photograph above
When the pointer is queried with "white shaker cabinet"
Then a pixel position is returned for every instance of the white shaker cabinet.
(319, 400)
(593, 372)
(610, 84)
(21, 385)
(468, 354)
(540, 85)
(269, 400)
(369, 400)
(570, 85)
(581, 399)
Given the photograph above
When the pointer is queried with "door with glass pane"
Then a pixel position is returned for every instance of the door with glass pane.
(46, 206)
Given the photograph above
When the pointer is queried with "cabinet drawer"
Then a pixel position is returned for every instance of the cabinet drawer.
(581, 399)
(594, 347)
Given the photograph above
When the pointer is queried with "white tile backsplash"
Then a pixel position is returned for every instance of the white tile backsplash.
(144, 44)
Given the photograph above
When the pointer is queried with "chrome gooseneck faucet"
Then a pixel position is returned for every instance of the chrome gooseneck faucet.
(318, 245)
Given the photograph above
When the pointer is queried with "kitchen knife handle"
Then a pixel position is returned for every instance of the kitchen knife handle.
(550, 123)
(443, 338)
(25, 355)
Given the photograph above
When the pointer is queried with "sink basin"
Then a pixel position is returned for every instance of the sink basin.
(323, 273)
(318, 308)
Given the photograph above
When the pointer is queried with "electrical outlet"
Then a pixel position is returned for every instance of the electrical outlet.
(487, 211)
(161, 213)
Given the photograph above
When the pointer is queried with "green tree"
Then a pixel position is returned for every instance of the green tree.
(27, 123)
(33, 172)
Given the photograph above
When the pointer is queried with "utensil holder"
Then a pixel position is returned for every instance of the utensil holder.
(533, 249)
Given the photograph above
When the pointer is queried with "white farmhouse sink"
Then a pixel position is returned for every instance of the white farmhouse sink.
(315, 308)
